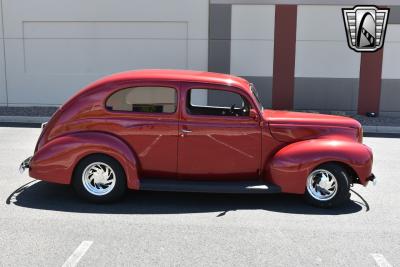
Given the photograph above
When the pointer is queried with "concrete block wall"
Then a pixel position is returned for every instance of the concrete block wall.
(50, 49)
(242, 43)
(326, 71)
(390, 87)
(327, 75)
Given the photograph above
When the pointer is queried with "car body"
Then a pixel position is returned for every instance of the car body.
(145, 123)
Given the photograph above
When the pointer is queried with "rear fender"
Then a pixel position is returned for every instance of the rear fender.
(291, 165)
(56, 160)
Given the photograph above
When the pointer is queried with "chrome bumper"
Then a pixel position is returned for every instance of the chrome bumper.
(25, 164)
(372, 178)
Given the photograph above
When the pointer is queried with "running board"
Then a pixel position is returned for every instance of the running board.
(247, 187)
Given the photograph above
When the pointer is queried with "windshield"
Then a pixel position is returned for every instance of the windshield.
(257, 96)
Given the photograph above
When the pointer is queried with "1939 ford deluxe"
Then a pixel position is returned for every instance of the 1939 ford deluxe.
(175, 130)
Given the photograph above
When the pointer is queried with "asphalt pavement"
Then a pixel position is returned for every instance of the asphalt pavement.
(43, 224)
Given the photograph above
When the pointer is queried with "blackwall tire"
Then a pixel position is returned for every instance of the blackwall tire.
(100, 179)
(328, 186)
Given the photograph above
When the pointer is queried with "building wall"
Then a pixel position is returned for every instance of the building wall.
(252, 46)
(53, 48)
(390, 88)
(327, 71)
(50, 49)
(242, 43)
(3, 84)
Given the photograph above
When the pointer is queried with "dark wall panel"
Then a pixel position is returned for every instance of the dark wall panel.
(219, 44)
(325, 94)
(390, 96)
(284, 56)
(370, 82)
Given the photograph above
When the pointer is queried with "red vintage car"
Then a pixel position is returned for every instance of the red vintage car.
(176, 130)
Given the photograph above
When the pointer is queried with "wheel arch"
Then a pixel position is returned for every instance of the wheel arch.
(349, 170)
(56, 161)
(291, 165)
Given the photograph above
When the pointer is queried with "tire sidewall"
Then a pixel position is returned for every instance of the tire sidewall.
(120, 185)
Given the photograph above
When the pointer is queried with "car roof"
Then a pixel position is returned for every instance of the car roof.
(177, 75)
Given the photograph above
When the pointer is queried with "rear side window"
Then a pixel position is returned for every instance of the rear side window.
(143, 99)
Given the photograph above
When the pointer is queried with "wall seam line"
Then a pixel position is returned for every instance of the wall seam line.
(4, 52)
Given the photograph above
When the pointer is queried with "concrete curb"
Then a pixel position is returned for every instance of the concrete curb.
(23, 119)
(381, 129)
(28, 119)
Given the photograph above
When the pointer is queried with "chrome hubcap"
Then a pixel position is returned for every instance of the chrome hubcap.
(322, 185)
(98, 178)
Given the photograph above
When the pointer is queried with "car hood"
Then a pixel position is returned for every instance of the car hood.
(289, 117)
(291, 126)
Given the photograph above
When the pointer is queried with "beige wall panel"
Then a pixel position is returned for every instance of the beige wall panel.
(3, 89)
(101, 56)
(322, 51)
(253, 22)
(320, 23)
(252, 57)
(252, 45)
(391, 61)
(326, 59)
(392, 33)
(105, 29)
(197, 54)
(35, 88)
(53, 48)
(391, 53)
(195, 12)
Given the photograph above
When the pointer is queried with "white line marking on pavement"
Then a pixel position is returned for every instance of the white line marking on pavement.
(380, 260)
(78, 254)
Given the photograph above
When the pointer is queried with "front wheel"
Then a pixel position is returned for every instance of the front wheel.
(328, 186)
(99, 178)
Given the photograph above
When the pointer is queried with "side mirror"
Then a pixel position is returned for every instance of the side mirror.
(253, 114)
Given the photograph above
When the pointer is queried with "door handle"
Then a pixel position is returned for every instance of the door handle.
(183, 132)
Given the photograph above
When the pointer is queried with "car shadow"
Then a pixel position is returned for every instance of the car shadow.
(48, 196)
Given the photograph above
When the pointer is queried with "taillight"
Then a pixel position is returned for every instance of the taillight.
(46, 126)
(43, 126)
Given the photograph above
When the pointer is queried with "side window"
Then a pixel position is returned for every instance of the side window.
(217, 103)
(143, 99)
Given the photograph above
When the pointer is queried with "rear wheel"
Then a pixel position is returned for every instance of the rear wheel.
(328, 186)
(99, 178)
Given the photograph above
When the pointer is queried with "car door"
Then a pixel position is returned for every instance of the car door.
(145, 115)
(218, 140)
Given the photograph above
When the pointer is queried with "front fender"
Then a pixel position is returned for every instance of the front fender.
(56, 160)
(291, 165)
